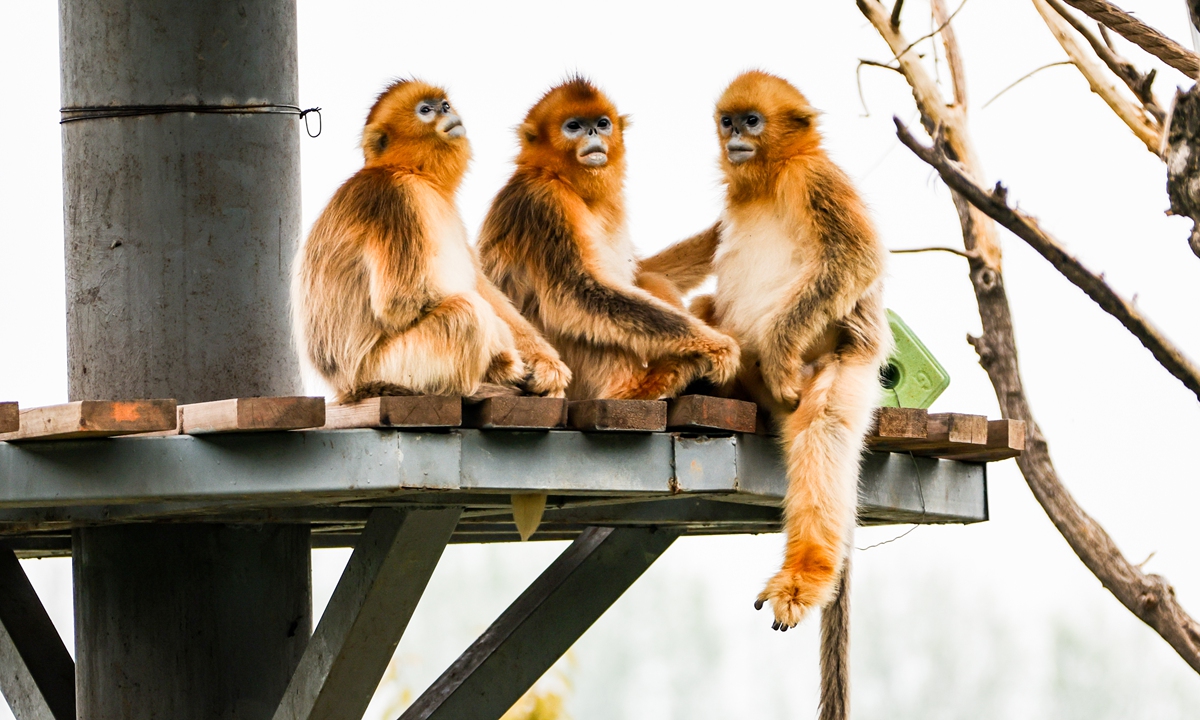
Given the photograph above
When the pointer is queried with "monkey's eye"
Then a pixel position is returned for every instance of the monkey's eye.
(425, 109)
(726, 122)
(574, 125)
(445, 107)
(603, 123)
(752, 120)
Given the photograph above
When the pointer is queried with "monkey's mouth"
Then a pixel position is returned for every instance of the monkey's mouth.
(454, 128)
(595, 158)
(738, 152)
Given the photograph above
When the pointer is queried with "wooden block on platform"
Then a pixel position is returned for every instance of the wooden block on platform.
(700, 413)
(409, 411)
(10, 417)
(256, 414)
(898, 430)
(508, 412)
(1005, 439)
(617, 415)
(94, 418)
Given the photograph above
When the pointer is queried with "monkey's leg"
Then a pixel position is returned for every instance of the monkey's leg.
(544, 372)
(446, 353)
(822, 444)
(660, 287)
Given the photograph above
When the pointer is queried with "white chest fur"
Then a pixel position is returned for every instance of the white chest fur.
(452, 267)
(613, 252)
(759, 259)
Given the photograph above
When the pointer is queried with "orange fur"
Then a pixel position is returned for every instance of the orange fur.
(799, 285)
(387, 294)
(555, 241)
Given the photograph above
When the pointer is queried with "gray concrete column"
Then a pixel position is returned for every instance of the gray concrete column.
(188, 622)
(180, 230)
(181, 227)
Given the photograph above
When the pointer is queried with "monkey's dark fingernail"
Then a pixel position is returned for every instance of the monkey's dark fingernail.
(758, 604)
(784, 628)
(775, 625)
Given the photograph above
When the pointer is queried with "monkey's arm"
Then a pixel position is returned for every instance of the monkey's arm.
(394, 249)
(575, 302)
(849, 264)
(548, 375)
(685, 264)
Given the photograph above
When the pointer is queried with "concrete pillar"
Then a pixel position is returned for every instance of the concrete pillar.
(180, 230)
(181, 227)
(188, 622)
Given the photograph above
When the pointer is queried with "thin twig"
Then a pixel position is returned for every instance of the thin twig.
(953, 251)
(1140, 34)
(1023, 78)
(939, 28)
(858, 80)
(894, 20)
(995, 205)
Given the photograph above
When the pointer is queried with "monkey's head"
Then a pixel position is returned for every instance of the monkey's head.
(761, 119)
(413, 124)
(575, 130)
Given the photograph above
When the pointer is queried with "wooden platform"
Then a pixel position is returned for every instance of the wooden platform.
(606, 463)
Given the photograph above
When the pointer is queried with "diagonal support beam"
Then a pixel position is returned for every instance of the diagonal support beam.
(367, 614)
(541, 624)
(37, 674)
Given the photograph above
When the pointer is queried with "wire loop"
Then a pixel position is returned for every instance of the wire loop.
(97, 112)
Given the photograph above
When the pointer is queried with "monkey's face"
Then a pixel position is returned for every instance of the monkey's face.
(575, 129)
(437, 113)
(740, 133)
(589, 136)
(762, 118)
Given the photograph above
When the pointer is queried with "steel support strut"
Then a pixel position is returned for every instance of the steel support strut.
(542, 624)
(37, 674)
(367, 614)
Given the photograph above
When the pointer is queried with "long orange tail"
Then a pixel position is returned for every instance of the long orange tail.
(822, 446)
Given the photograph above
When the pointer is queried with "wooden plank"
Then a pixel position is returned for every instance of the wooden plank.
(898, 423)
(507, 412)
(945, 433)
(1005, 439)
(700, 413)
(617, 415)
(10, 417)
(94, 418)
(256, 414)
(425, 411)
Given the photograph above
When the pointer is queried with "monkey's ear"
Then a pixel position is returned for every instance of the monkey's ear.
(804, 118)
(624, 121)
(528, 133)
(374, 142)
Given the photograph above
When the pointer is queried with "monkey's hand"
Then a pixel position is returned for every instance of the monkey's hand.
(546, 374)
(722, 352)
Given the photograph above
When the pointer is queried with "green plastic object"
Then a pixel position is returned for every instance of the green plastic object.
(912, 378)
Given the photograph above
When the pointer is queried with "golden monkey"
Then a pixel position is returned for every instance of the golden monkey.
(800, 287)
(388, 296)
(555, 241)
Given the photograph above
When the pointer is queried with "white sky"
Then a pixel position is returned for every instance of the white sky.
(1122, 431)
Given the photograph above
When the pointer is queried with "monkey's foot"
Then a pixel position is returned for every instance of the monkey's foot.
(546, 375)
(506, 369)
(723, 355)
(792, 595)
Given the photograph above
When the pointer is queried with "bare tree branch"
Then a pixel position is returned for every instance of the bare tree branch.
(1128, 109)
(894, 20)
(1138, 82)
(995, 205)
(958, 77)
(1141, 34)
(1149, 597)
